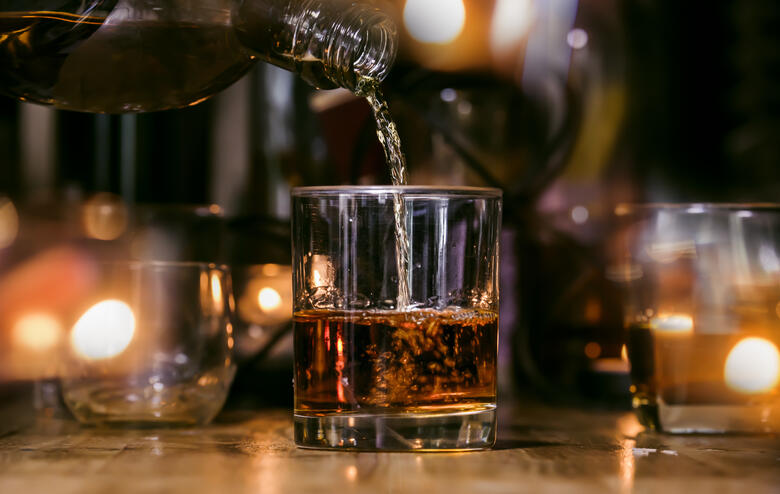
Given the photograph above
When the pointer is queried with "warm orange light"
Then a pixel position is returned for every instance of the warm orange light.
(321, 271)
(668, 252)
(216, 287)
(593, 311)
(104, 331)
(340, 369)
(624, 353)
(9, 222)
(623, 210)
(752, 366)
(627, 465)
(672, 324)
(216, 292)
(435, 21)
(269, 299)
(271, 270)
(629, 427)
(104, 217)
(37, 332)
(592, 350)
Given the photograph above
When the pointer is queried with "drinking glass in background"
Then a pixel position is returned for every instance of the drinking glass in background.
(258, 248)
(376, 370)
(151, 344)
(702, 308)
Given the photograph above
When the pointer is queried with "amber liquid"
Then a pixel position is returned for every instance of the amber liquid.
(421, 361)
(104, 65)
(687, 368)
(673, 370)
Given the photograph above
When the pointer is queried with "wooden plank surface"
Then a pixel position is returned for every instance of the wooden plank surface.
(539, 450)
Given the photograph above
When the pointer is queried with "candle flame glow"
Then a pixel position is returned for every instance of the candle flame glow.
(752, 366)
(672, 323)
(321, 271)
(269, 299)
(216, 291)
(104, 331)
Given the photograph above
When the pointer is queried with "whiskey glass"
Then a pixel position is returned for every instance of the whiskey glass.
(395, 334)
(151, 346)
(702, 309)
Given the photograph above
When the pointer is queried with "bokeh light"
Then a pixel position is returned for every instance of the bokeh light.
(580, 214)
(512, 20)
(104, 217)
(592, 350)
(216, 292)
(104, 331)
(753, 366)
(577, 38)
(269, 299)
(38, 332)
(672, 323)
(435, 21)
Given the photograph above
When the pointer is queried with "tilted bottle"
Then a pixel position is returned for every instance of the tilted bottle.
(116, 56)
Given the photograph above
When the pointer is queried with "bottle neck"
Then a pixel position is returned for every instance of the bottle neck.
(330, 43)
(361, 44)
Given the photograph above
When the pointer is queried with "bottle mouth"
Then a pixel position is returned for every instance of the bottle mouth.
(378, 55)
(368, 52)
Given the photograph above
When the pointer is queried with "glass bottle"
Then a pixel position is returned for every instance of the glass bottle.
(117, 56)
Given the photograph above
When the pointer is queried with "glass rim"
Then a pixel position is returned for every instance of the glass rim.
(626, 209)
(407, 190)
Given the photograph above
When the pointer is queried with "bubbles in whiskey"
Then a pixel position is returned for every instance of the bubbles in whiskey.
(422, 360)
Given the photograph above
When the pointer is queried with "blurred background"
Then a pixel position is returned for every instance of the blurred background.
(570, 106)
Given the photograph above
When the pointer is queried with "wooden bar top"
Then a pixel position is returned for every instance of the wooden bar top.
(540, 449)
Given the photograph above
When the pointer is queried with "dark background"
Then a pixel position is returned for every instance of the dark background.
(696, 118)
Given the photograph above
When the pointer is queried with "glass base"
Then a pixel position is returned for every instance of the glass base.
(118, 404)
(464, 431)
(709, 419)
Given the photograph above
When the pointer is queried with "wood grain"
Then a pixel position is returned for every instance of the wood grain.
(539, 450)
